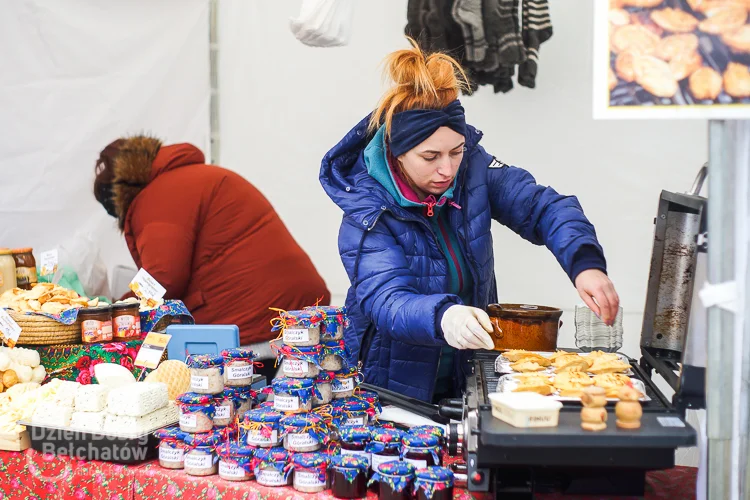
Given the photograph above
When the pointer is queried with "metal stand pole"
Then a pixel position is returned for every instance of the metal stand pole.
(214, 66)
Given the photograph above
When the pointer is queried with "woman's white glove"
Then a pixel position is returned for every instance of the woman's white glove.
(466, 327)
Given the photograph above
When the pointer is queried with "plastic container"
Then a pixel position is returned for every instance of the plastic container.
(299, 328)
(344, 383)
(126, 321)
(348, 476)
(354, 441)
(353, 411)
(592, 334)
(96, 324)
(171, 447)
(395, 481)
(261, 428)
(299, 362)
(373, 401)
(303, 433)
(235, 462)
(201, 459)
(323, 393)
(334, 353)
(433, 483)
(196, 412)
(292, 395)
(206, 374)
(272, 467)
(238, 367)
(310, 472)
(7, 270)
(525, 409)
(385, 446)
(225, 409)
(421, 450)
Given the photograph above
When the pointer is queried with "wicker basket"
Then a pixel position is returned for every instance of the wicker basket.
(41, 330)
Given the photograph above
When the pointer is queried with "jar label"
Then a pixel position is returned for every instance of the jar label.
(286, 403)
(231, 470)
(359, 453)
(301, 440)
(199, 461)
(307, 478)
(342, 385)
(169, 454)
(127, 326)
(26, 276)
(270, 477)
(356, 420)
(296, 366)
(378, 460)
(197, 382)
(95, 331)
(254, 437)
(296, 335)
(419, 464)
(238, 372)
(188, 420)
(222, 413)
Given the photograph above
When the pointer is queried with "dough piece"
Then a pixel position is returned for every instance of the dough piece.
(655, 76)
(625, 65)
(526, 366)
(705, 83)
(674, 20)
(634, 37)
(611, 80)
(723, 18)
(685, 65)
(674, 45)
(738, 41)
(737, 80)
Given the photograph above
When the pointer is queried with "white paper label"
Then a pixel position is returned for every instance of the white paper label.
(269, 477)
(222, 413)
(238, 372)
(344, 385)
(670, 422)
(254, 437)
(307, 478)
(358, 421)
(169, 454)
(198, 461)
(419, 464)
(146, 287)
(359, 453)
(48, 262)
(295, 366)
(297, 335)
(187, 420)
(378, 460)
(231, 470)
(9, 328)
(286, 403)
(197, 382)
(301, 440)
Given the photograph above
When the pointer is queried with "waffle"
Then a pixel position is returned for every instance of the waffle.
(175, 374)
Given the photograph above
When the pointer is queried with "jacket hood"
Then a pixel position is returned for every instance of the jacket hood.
(139, 161)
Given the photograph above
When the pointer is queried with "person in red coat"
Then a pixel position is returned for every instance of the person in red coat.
(207, 235)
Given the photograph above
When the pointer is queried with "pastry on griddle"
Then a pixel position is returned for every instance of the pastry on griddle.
(603, 365)
(539, 388)
(737, 80)
(655, 76)
(610, 380)
(738, 41)
(515, 354)
(569, 379)
(673, 45)
(674, 20)
(685, 65)
(594, 355)
(723, 18)
(634, 37)
(625, 65)
(573, 365)
(526, 366)
(705, 83)
(533, 382)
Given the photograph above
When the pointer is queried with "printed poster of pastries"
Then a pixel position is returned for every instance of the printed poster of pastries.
(672, 59)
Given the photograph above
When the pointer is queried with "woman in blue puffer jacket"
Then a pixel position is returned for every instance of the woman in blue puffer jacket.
(419, 194)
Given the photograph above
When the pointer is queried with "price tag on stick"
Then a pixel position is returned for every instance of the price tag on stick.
(146, 287)
(49, 261)
(152, 350)
(9, 329)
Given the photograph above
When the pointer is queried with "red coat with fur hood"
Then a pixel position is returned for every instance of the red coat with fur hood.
(210, 238)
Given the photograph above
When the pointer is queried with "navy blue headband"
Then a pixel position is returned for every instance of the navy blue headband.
(411, 128)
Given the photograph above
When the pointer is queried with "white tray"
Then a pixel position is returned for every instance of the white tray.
(508, 382)
(502, 365)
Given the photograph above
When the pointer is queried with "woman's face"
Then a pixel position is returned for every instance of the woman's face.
(432, 165)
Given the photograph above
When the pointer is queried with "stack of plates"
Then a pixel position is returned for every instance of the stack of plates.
(593, 335)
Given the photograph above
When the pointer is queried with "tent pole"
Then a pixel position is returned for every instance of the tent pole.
(214, 67)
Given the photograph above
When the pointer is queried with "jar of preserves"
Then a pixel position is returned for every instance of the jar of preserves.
(433, 483)
(261, 428)
(196, 412)
(310, 472)
(303, 433)
(344, 383)
(353, 411)
(323, 393)
(201, 459)
(292, 395)
(385, 446)
(206, 373)
(26, 276)
(7, 270)
(225, 409)
(171, 447)
(333, 356)
(96, 324)
(126, 321)
(354, 441)
(235, 461)
(299, 328)
(348, 476)
(243, 399)
(335, 321)
(298, 362)
(430, 429)
(373, 402)
(238, 367)
(421, 450)
(395, 481)
(272, 467)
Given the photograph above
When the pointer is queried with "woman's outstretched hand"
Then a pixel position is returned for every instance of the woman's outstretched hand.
(598, 292)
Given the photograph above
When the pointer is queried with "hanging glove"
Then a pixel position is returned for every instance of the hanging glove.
(466, 328)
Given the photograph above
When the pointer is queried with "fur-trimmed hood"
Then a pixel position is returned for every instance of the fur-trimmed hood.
(141, 159)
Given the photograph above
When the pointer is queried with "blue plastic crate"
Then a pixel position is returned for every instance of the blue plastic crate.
(201, 339)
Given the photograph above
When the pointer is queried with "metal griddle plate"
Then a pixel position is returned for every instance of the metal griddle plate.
(567, 445)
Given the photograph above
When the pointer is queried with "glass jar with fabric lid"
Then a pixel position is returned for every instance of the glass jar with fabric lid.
(196, 412)
(354, 441)
(353, 411)
(298, 362)
(345, 382)
(310, 472)
(299, 328)
(434, 483)
(272, 466)
(395, 481)
(235, 462)
(206, 373)
(373, 401)
(201, 458)
(335, 321)
(333, 357)
(238, 367)
(323, 393)
(261, 428)
(422, 450)
(385, 446)
(172, 447)
(348, 475)
(303, 433)
(292, 395)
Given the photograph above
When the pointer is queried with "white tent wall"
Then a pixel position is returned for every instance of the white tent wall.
(75, 75)
(283, 105)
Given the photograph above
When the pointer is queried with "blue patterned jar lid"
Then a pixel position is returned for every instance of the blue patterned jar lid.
(350, 462)
(435, 475)
(234, 450)
(262, 415)
(205, 360)
(311, 460)
(420, 440)
(397, 469)
(355, 434)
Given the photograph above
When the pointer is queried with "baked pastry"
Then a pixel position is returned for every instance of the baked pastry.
(634, 37)
(515, 354)
(738, 41)
(723, 18)
(572, 379)
(674, 20)
(603, 365)
(655, 76)
(705, 83)
(673, 45)
(539, 388)
(685, 65)
(737, 80)
(526, 366)
(611, 380)
(568, 359)
(625, 65)
(611, 80)
(573, 365)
